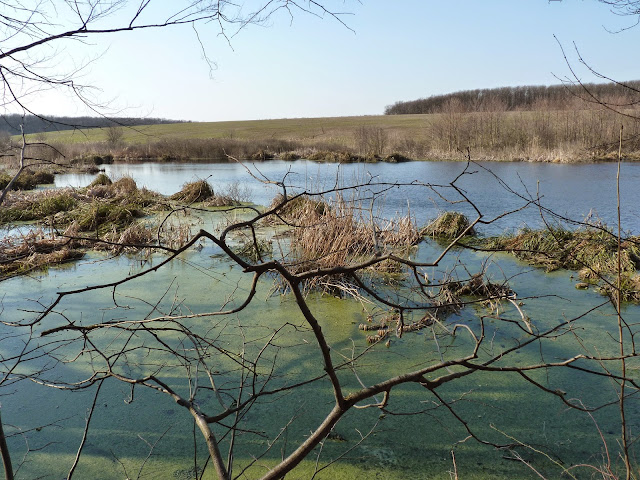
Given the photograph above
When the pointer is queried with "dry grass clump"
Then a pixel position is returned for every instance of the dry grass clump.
(334, 234)
(124, 186)
(448, 225)
(201, 191)
(109, 210)
(101, 179)
(130, 240)
(629, 288)
(97, 208)
(34, 251)
(28, 206)
(591, 250)
(298, 207)
(192, 192)
(101, 215)
(28, 180)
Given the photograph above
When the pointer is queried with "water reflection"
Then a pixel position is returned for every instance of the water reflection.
(574, 191)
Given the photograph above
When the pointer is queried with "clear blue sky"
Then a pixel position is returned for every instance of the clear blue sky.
(312, 67)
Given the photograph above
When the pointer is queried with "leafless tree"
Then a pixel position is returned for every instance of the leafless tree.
(371, 140)
(33, 33)
(114, 135)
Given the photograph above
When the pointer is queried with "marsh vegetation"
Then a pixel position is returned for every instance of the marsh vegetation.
(270, 286)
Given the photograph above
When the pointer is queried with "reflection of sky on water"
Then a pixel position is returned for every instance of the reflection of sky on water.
(569, 190)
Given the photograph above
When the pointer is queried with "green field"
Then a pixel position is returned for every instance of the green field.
(330, 129)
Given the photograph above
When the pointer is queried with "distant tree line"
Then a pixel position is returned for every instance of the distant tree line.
(33, 124)
(523, 98)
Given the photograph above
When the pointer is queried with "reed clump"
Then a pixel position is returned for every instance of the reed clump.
(629, 288)
(106, 215)
(592, 251)
(35, 250)
(29, 206)
(294, 208)
(130, 240)
(448, 225)
(28, 180)
(110, 209)
(100, 207)
(334, 234)
(101, 179)
(193, 192)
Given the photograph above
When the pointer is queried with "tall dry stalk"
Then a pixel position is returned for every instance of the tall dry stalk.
(337, 234)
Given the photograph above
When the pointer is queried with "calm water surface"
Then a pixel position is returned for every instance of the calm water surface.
(574, 191)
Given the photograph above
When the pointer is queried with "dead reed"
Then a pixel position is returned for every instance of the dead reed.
(34, 250)
(448, 225)
(193, 192)
(334, 233)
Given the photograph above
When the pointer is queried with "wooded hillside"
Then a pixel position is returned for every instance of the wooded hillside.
(32, 124)
(554, 97)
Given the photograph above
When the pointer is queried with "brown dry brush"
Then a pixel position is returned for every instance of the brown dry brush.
(325, 234)
(104, 216)
(35, 250)
(337, 233)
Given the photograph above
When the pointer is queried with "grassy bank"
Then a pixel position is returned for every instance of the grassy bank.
(547, 136)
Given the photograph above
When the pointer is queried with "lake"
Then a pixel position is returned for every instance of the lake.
(571, 190)
(142, 433)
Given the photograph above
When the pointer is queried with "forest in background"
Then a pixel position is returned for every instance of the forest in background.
(524, 98)
(11, 124)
